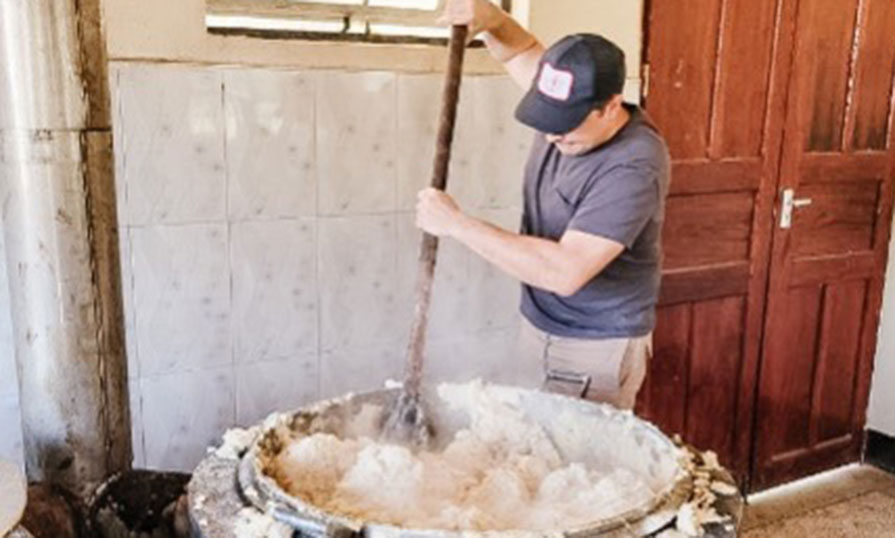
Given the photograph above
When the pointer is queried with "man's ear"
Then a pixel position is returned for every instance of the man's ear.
(615, 104)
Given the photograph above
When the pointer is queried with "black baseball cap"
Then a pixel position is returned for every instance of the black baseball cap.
(574, 75)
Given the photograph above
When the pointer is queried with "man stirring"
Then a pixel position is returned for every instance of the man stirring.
(588, 254)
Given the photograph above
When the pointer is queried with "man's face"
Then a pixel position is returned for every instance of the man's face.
(599, 126)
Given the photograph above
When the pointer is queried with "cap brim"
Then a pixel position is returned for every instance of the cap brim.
(548, 116)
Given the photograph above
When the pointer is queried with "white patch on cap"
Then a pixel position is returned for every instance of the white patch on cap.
(556, 83)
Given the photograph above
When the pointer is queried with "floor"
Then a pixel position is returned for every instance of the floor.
(855, 502)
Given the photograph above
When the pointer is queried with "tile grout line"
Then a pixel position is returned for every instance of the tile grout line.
(318, 352)
(229, 249)
(394, 146)
(200, 369)
(396, 261)
(386, 213)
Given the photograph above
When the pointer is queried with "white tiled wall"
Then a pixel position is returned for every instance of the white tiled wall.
(356, 143)
(269, 125)
(268, 242)
(173, 163)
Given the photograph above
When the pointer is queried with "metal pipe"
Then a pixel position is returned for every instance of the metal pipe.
(60, 226)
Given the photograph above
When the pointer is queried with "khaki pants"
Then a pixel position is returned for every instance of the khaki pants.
(610, 371)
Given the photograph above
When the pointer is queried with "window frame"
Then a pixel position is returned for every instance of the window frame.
(321, 10)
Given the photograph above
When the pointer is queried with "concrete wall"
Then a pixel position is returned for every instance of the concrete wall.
(881, 415)
(618, 21)
(10, 422)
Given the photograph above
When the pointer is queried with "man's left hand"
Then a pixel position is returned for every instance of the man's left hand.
(437, 213)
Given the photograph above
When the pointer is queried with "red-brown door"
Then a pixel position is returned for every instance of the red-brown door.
(712, 93)
(828, 264)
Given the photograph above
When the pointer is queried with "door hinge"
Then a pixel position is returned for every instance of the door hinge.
(644, 83)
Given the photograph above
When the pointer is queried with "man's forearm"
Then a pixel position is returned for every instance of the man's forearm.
(561, 267)
(505, 37)
(535, 261)
(512, 45)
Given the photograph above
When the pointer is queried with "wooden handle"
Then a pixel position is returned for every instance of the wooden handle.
(429, 247)
(449, 99)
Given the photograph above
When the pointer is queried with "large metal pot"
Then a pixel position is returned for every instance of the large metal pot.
(604, 438)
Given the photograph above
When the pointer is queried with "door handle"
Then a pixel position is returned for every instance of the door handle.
(789, 203)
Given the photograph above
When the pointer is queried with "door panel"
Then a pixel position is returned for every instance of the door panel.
(746, 51)
(826, 32)
(837, 363)
(696, 374)
(708, 229)
(790, 377)
(712, 94)
(827, 269)
(682, 70)
(665, 398)
(841, 218)
(872, 77)
(715, 366)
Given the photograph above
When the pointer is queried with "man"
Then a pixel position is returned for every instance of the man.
(588, 254)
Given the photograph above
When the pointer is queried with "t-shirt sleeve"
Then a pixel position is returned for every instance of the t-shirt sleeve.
(620, 204)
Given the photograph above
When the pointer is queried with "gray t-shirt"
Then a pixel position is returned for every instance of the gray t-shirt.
(616, 191)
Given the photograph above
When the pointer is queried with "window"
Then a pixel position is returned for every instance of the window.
(391, 21)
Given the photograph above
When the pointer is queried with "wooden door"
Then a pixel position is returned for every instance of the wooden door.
(827, 269)
(714, 94)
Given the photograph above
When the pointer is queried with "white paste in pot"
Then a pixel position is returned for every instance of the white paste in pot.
(501, 473)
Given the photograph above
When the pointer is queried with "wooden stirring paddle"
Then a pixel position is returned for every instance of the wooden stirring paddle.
(406, 421)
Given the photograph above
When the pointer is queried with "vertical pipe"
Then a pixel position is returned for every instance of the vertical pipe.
(59, 221)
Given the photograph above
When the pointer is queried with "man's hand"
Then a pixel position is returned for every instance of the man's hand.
(437, 213)
(478, 15)
(509, 43)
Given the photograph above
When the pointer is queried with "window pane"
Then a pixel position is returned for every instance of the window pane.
(376, 19)
(415, 31)
(346, 2)
(407, 4)
(264, 23)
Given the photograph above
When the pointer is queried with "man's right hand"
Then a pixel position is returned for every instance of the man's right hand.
(508, 42)
(478, 15)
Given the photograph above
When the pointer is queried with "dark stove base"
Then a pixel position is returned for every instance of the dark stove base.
(141, 504)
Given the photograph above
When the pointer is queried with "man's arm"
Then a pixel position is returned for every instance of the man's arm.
(562, 267)
(508, 42)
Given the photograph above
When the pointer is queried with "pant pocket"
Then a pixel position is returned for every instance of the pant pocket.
(585, 368)
(633, 371)
(566, 382)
